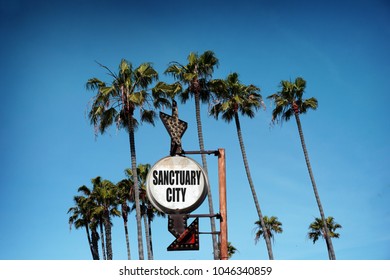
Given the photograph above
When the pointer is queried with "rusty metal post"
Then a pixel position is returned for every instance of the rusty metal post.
(222, 204)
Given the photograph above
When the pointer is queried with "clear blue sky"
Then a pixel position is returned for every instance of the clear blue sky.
(48, 148)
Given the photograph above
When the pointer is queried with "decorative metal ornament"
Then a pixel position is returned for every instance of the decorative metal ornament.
(175, 128)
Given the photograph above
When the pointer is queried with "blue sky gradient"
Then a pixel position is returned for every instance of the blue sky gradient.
(48, 149)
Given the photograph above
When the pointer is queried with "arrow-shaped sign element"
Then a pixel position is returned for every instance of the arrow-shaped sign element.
(188, 239)
(175, 128)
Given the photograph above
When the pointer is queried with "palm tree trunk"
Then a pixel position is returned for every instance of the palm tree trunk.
(102, 240)
(204, 163)
(150, 237)
(136, 188)
(92, 244)
(329, 244)
(252, 187)
(127, 240)
(107, 227)
(147, 237)
(125, 208)
(95, 246)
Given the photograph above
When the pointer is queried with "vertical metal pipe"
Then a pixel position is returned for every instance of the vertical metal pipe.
(222, 204)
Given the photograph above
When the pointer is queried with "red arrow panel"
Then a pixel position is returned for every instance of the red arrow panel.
(188, 240)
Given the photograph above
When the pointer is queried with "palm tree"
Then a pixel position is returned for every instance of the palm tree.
(151, 213)
(148, 212)
(81, 216)
(124, 189)
(105, 194)
(272, 225)
(96, 219)
(234, 97)
(117, 102)
(164, 94)
(289, 102)
(317, 229)
(142, 172)
(194, 78)
(231, 250)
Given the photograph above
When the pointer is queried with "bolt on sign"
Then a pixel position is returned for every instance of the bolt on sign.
(176, 185)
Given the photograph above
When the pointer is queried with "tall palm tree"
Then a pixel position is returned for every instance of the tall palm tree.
(117, 102)
(151, 213)
(97, 220)
(142, 172)
(105, 194)
(233, 98)
(124, 189)
(194, 77)
(288, 103)
(317, 229)
(147, 210)
(81, 216)
(272, 225)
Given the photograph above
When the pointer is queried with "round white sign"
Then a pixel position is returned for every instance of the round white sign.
(176, 185)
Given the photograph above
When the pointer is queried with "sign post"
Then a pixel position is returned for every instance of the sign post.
(222, 204)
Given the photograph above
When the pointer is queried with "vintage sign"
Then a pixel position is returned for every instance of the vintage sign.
(176, 184)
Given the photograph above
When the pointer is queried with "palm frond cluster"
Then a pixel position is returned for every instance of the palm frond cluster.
(94, 208)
